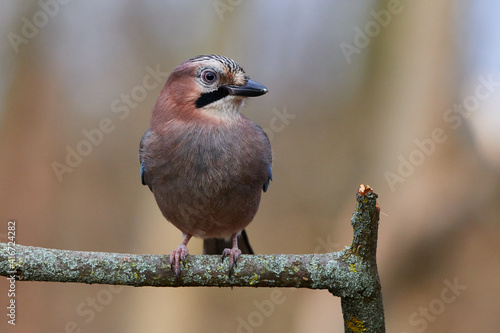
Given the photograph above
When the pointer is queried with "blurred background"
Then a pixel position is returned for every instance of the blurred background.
(401, 95)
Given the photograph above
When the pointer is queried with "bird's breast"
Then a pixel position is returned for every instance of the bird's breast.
(218, 157)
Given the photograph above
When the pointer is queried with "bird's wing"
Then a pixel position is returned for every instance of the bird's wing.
(266, 184)
(142, 154)
(143, 175)
(270, 170)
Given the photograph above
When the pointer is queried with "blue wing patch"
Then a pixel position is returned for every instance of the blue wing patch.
(266, 184)
(143, 175)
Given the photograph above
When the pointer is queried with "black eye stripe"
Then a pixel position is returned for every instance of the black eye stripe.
(213, 96)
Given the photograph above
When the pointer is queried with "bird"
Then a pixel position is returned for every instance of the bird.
(205, 162)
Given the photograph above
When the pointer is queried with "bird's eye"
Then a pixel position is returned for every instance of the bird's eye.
(209, 76)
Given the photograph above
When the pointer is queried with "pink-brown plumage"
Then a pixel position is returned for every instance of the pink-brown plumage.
(205, 163)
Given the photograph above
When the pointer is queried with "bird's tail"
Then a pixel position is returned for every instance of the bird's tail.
(217, 245)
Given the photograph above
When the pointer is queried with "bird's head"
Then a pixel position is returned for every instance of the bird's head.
(208, 87)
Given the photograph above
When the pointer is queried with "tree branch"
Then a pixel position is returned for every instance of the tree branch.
(350, 274)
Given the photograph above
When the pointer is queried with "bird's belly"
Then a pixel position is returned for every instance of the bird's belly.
(208, 211)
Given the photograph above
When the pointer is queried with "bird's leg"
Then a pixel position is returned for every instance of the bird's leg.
(233, 253)
(179, 254)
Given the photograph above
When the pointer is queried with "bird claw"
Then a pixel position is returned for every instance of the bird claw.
(178, 255)
(233, 255)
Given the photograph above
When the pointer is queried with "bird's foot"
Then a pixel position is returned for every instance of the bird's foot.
(178, 255)
(233, 255)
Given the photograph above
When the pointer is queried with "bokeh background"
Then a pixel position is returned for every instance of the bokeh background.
(401, 95)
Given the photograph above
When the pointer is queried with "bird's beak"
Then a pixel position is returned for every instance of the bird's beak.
(251, 89)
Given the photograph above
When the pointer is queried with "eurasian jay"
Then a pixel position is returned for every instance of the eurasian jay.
(205, 162)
